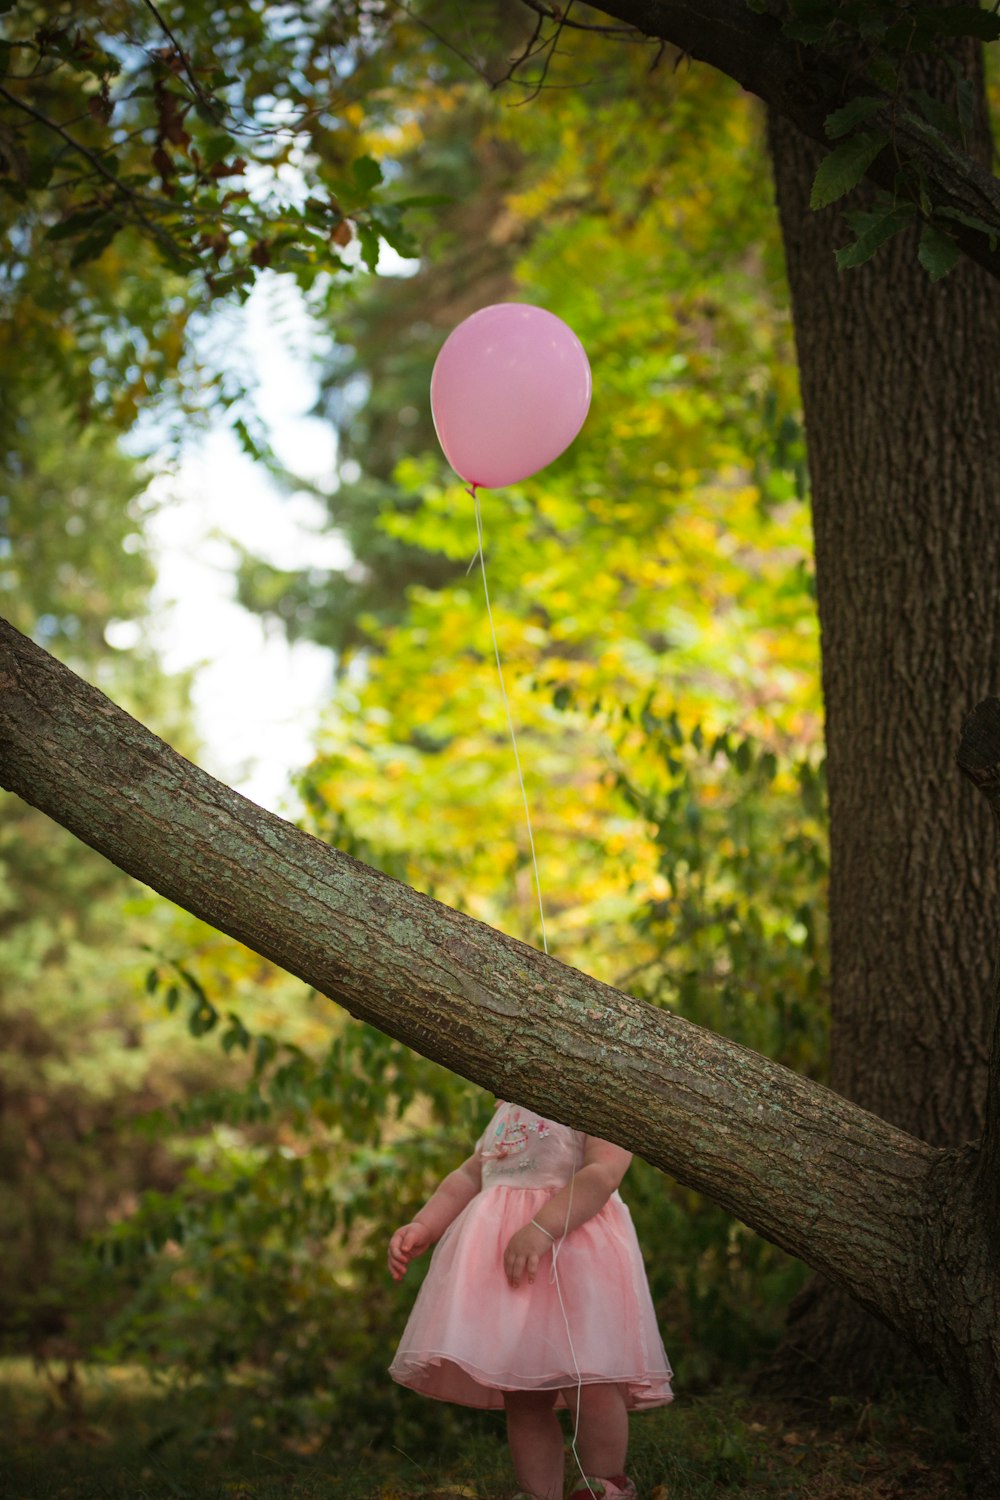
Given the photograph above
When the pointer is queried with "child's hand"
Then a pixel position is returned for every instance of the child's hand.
(409, 1241)
(524, 1250)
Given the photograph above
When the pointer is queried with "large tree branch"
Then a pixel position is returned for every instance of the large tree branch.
(891, 1219)
(812, 1172)
(806, 85)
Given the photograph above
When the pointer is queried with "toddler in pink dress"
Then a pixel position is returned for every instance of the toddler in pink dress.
(536, 1298)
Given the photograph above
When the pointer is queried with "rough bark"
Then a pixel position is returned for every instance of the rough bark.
(803, 85)
(979, 759)
(900, 388)
(900, 385)
(901, 382)
(764, 1142)
(893, 1220)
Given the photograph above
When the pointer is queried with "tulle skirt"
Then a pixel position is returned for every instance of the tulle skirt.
(471, 1336)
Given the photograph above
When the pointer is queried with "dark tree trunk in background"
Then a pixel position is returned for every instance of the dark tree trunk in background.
(901, 390)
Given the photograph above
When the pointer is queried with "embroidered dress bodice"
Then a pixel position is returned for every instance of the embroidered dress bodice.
(520, 1149)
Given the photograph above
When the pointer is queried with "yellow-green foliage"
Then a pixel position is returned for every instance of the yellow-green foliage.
(653, 602)
(660, 572)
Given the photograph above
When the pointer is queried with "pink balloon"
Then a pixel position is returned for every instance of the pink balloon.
(509, 392)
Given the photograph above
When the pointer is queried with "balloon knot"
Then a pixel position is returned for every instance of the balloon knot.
(470, 489)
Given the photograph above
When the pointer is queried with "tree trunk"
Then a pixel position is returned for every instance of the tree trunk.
(906, 1228)
(900, 387)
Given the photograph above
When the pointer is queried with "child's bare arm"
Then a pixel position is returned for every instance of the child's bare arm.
(427, 1226)
(452, 1195)
(604, 1166)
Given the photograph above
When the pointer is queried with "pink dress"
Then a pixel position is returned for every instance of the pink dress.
(471, 1336)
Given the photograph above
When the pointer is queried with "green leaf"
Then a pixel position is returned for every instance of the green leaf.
(844, 168)
(264, 1052)
(203, 1018)
(842, 121)
(216, 146)
(425, 200)
(972, 222)
(936, 252)
(174, 255)
(918, 181)
(966, 100)
(247, 441)
(871, 234)
(935, 112)
(368, 241)
(194, 985)
(809, 32)
(882, 70)
(400, 239)
(236, 1035)
(367, 174)
(107, 66)
(95, 244)
(872, 26)
(39, 173)
(75, 224)
(959, 20)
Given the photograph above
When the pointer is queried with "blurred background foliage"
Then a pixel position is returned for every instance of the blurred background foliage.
(200, 1163)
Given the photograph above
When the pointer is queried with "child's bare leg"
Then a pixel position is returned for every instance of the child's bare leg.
(536, 1442)
(602, 1441)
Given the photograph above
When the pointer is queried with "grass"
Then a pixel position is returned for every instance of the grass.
(112, 1434)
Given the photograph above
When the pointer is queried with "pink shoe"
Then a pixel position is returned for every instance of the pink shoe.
(606, 1489)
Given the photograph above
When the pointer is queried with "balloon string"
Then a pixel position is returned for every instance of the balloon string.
(472, 489)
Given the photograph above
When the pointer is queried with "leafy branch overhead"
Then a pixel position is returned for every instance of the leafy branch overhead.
(230, 142)
(856, 74)
(158, 158)
(131, 128)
